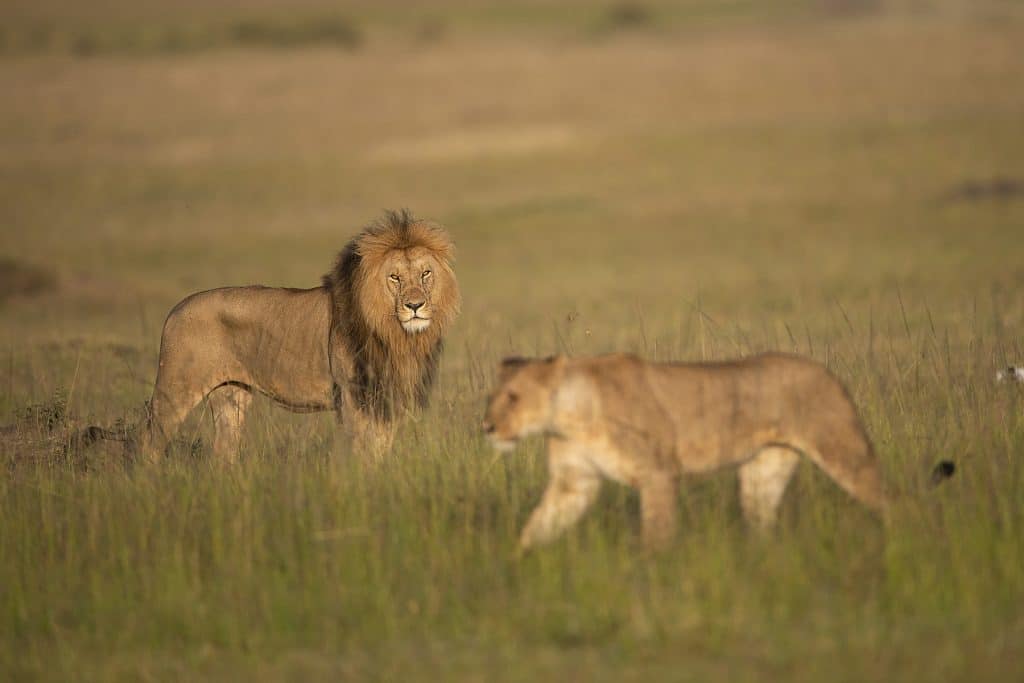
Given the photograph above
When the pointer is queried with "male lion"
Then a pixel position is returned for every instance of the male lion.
(644, 424)
(366, 343)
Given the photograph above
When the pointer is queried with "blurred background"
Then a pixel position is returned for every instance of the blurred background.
(621, 164)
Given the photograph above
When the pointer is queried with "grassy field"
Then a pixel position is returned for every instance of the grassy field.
(694, 180)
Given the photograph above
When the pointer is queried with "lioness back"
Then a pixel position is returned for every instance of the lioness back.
(723, 411)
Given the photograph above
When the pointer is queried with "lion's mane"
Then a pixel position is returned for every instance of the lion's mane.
(392, 370)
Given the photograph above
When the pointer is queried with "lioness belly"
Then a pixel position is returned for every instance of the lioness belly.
(721, 414)
(723, 447)
(613, 461)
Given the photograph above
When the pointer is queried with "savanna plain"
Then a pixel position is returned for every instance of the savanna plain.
(696, 180)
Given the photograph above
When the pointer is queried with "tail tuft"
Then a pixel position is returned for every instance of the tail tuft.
(943, 471)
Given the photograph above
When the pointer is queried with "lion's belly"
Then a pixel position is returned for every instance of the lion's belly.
(296, 375)
(279, 343)
(316, 394)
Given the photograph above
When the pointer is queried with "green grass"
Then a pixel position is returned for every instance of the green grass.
(736, 186)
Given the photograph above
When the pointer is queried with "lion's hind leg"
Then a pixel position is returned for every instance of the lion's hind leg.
(228, 406)
(167, 410)
(763, 481)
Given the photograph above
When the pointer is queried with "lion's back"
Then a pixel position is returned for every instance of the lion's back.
(250, 309)
(272, 339)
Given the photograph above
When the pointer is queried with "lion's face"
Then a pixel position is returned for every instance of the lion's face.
(412, 277)
(522, 404)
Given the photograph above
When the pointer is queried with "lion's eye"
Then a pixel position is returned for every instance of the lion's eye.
(394, 278)
(426, 274)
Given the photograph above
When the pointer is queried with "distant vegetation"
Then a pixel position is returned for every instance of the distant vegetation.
(121, 27)
(330, 31)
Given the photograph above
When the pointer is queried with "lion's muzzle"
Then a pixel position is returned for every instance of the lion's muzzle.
(415, 324)
(414, 313)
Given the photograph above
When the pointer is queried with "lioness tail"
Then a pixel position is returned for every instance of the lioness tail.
(942, 471)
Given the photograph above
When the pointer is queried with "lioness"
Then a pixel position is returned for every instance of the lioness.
(644, 424)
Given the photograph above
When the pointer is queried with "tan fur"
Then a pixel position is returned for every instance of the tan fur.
(645, 424)
(366, 343)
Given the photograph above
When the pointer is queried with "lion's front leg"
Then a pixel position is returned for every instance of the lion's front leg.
(573, 486)
(372, 438)
(365, 436)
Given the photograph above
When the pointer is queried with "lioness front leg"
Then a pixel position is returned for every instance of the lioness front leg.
(659, 493)
(572, 488)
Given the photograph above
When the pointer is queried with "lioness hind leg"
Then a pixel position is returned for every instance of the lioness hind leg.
(763, 482)
(851, 463)
(228, 405)
(659, 511)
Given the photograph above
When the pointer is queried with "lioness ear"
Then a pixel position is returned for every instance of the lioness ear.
(510, 365)
(514, 362)
(554, 366)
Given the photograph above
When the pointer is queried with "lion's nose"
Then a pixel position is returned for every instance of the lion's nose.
(413, 305)
(488, 427)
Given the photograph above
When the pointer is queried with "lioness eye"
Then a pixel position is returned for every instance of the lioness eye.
(426, 274)
(393, 277)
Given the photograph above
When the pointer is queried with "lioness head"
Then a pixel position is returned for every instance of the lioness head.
(523, 402)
